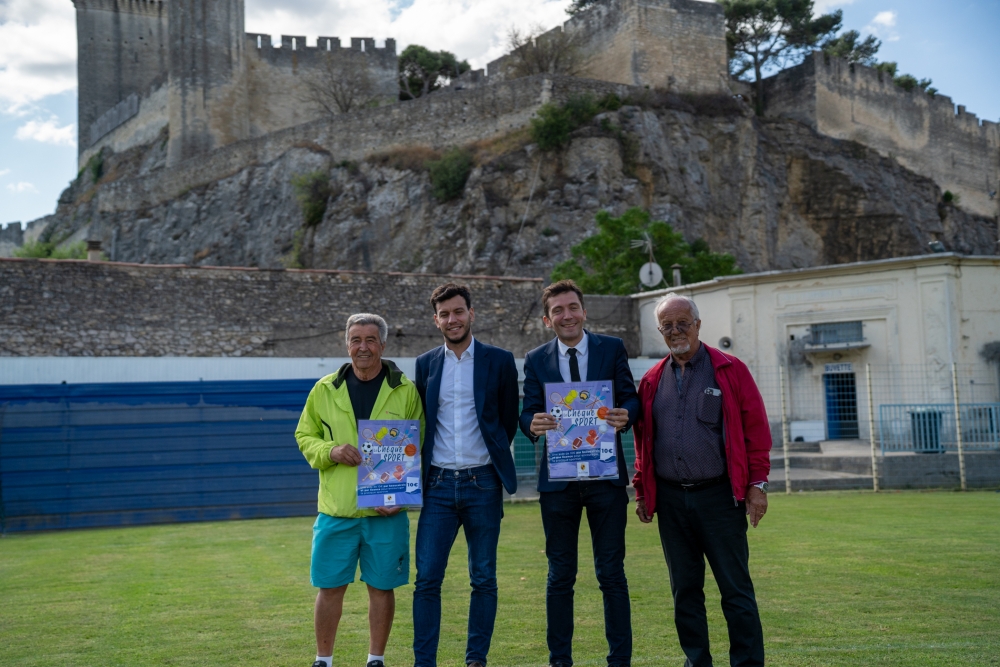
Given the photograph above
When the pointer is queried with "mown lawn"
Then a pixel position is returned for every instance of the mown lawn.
(851, 578)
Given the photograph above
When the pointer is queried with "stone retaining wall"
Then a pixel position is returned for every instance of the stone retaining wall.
(78, 308)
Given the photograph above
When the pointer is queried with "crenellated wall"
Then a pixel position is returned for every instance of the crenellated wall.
(138, 129)
(924, 133)
(122, 51)
(277, 75)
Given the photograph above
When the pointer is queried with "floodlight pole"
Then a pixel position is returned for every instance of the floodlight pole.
(958, 426)
(871, 428)
(784, 430)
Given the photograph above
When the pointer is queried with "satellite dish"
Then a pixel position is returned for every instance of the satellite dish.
(650, 274)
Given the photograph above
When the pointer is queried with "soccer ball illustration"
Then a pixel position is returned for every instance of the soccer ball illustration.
(556, 412)
(367, 446)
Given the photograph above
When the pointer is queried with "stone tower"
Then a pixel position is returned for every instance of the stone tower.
(208, 96)
(122, 50)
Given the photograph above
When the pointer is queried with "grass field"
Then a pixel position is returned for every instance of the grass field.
(851, 578)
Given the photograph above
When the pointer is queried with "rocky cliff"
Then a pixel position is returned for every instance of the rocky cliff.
(770, 191)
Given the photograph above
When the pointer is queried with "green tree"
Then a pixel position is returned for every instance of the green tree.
(763, 34)
(906, 81)
(48, 250)
(606, 263)
(449, 174)
(851, 47)
(422, 70)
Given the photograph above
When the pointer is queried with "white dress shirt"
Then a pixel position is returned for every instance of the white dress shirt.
(581, 359)
(458, 442)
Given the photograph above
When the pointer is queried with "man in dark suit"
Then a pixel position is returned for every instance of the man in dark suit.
(470, 394)
(574, 355)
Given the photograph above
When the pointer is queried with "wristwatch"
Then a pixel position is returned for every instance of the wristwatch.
(761, 485)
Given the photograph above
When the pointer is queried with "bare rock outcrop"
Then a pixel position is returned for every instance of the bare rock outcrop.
(770, 191)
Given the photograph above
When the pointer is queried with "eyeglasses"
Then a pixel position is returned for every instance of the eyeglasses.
(682, 327)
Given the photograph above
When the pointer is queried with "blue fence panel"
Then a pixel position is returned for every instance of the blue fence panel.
(931, 427)
(74, 456)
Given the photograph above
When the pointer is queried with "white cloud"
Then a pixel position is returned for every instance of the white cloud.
(37, 51)
(38, 37)
(825, 6)
(4, 172)
(472, 29)
(883, 26)
(22, 187)
(48, 132)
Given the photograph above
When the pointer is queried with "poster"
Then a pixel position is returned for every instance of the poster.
(582, 446)
(389, 474)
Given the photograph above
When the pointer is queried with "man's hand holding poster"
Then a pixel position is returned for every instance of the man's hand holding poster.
(582, 445)
(389, 474)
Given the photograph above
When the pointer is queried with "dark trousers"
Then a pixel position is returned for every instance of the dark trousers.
(472, 499)
(607, 513)
(700, 524)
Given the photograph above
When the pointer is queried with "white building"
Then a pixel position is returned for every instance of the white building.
(909, 318)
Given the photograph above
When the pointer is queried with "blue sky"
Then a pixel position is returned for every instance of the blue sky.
(947, 41)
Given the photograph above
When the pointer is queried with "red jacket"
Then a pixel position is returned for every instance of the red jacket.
(744, 423)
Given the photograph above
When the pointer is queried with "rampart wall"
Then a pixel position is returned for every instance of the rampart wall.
(140, 128)
(925, 133)
(277, 75)
(438, 121)
(122, 50)
(677, 45)
(276, 90)
(78, 308)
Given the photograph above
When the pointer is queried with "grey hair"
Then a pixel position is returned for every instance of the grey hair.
(670, 297)
(366, 318)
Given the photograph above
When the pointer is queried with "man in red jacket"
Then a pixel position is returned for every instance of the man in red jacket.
(701, 462)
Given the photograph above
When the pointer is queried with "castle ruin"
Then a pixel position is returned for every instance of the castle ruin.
(147, 65)
(181, 104)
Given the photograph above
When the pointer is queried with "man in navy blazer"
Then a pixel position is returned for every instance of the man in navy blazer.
(470, 395)
(574, 355)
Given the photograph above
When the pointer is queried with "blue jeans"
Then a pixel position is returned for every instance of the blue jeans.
(700, 524)
(607, 514)
(472, 499)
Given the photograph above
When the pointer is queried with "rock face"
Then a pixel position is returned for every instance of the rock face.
(770, 191)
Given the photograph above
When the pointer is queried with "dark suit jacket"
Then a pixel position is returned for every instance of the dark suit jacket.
(607, 361)
(494, 384)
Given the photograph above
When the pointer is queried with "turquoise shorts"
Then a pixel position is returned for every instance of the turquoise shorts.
(380, 543)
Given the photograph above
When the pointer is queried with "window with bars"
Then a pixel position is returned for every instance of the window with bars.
(836, 332)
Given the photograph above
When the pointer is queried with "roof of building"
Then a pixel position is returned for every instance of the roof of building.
(872, 266)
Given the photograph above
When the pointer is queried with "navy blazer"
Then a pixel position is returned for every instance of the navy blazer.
(494, 384)
(607, 361)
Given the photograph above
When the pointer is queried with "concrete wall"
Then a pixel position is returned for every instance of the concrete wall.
(925, 133)
(122, 50)
(77, 308)
(277, 76)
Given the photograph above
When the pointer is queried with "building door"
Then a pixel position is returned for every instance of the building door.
(841, 405)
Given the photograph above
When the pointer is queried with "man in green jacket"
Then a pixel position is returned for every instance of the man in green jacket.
(343, 535)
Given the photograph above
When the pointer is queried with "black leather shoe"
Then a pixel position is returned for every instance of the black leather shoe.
(376, 663)
(319, 663)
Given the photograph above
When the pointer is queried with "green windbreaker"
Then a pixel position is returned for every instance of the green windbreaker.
(328, 421)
